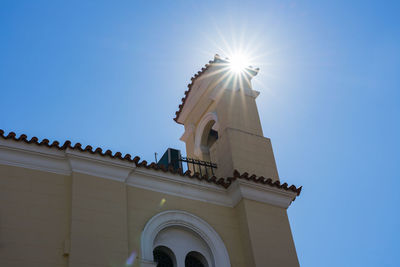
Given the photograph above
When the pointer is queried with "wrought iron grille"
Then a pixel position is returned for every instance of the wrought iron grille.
(200, 166)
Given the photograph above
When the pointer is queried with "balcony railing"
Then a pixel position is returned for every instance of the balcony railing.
(200, 166)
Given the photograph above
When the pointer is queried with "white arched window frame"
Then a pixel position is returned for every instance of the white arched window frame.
(211, 116)
(186, 220)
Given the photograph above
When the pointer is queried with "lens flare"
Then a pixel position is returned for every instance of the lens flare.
(131, 259)
(162, 202)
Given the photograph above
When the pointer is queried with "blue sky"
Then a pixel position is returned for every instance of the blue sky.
(111, 74)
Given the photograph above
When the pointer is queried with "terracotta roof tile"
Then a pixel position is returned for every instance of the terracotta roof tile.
(267, 181)
(224, 182)
(193, 79)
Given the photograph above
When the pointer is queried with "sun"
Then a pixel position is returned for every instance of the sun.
(238, 62)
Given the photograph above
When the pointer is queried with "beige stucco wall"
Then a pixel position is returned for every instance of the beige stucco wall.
(269, 234)
(103, 219)
(98, 222)
(34, 217)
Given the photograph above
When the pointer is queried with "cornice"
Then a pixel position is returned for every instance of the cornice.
(96, 165)
(222, 191)
(189, 130)
(179, 186)
(244, 189)
(33, 157)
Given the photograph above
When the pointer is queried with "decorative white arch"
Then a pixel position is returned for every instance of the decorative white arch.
(186, 220)
(211, 116)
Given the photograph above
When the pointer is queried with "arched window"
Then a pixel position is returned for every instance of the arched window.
(195, 259)
(185, 239)
(180, 241)
(164, 257)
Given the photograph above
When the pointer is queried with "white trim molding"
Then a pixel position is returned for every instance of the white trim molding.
(53, 160)
(180, 186)
(252, 93)
(266, 194)
(189, 129)
(99, 166)
(189, 221)
(31, 156)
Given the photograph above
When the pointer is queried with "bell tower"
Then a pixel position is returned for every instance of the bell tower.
(222, 123)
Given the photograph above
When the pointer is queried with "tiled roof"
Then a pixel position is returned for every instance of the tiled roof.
(193, 79)
(224, 182)
(266, 181)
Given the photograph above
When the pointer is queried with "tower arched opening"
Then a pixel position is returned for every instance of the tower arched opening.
(208, 139)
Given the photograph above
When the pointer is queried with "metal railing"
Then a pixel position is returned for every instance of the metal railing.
(200, 166)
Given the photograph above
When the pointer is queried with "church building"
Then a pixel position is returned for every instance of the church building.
(220, 205)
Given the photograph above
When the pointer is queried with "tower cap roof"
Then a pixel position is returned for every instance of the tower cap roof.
(217, 61)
